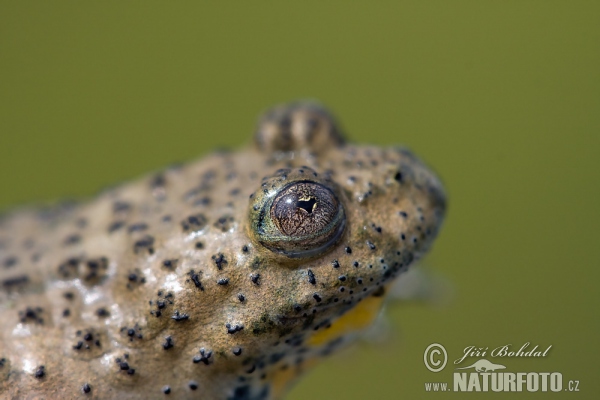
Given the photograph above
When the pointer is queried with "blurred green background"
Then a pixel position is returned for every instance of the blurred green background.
(501, 98)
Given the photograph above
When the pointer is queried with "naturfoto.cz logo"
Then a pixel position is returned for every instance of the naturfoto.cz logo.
(484, 375)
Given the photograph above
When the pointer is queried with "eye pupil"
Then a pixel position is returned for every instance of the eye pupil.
(307, 205)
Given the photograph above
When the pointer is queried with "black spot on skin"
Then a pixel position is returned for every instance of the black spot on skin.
(32, 314)
(195, 277)
(403, 236)
(170, 264)
(179, 317)
(102, 312)
(166, 389)
(115, 226)
(245, 249)
(66, 312)
(194, 222)
(348, 250)
(72, 239)
(69, 295)
(223, 281)
(86, 388)
(224, 223)
(311, 277)
(398, 177)
(158, 181)
(342, 278)
(9, 262)
(335, 264)
(121, 206)
(403, 214)
(16, 281)
(204, 357)
(193, 385)
(317, 297)
(231, 329)
(138, 227)
(40, 372)
(237, 351)
(371, 245)
(145, 243)
(95, 268)
(255, 278)
(219, 260)
(199, 245)
(241, 297)
(203, 201)
(168, 343)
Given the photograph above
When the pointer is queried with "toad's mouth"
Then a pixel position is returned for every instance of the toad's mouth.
(313, 314)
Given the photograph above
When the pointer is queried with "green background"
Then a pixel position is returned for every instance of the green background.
(501, 98)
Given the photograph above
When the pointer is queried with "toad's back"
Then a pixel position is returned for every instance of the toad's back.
(224, 278)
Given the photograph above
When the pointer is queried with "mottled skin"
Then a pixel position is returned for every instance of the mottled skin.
(162, 282)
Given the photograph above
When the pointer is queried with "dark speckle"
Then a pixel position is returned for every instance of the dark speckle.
(86, 388)
(179, 316)
(403, 214)
(195, 277)
(40, 372)
(245, 249)
(255, 278)
(102, 312)
(219, 260)
(223, 281)
(194, 222)
(138, 227)
(335, 264)
(371, 245)
(237, 351)
(342, 278)
(398, 176)
(147, 243)
(15, 281)
(231, 329)
(121, 206)
(72, 239)
(9, 262)
(241, 297)
(317, 297)
(311, 277)
(348, 250)
(193, 385)
(115, 226)
(166, 389)
(204, 357)
(168, 343)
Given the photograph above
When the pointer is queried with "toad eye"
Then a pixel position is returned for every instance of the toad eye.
(301, 218)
